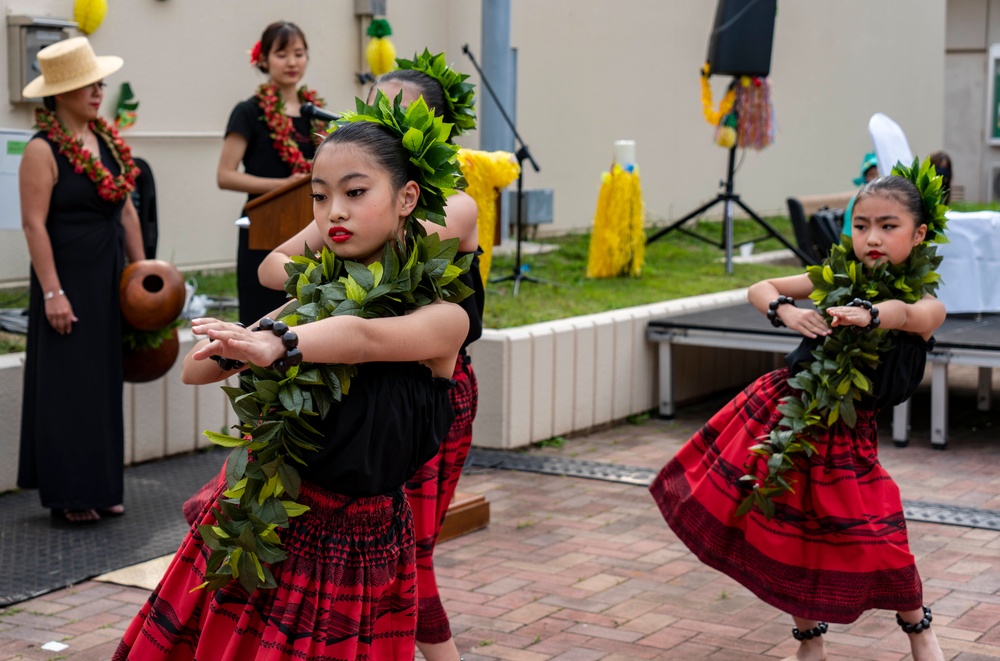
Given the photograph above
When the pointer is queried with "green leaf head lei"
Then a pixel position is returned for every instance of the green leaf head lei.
(827, 388)
(459, 95)
(425, 136)
(279, 411)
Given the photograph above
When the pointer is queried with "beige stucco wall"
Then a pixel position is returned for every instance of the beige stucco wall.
(591, 72)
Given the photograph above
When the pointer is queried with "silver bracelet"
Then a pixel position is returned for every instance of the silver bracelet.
(49, 295)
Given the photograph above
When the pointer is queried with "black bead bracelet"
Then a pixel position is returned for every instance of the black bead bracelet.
(872, 310)
(228, 364)
(289, 339)
(809, 634)
(772, 309)
(916, 627)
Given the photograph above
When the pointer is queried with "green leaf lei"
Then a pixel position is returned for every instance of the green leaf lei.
(828, 387)
(278, 411)
(459, 95)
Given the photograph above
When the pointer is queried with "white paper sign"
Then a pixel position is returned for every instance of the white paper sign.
(12, 144)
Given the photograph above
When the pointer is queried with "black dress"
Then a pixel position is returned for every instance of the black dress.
(72, 438)
(261, 160)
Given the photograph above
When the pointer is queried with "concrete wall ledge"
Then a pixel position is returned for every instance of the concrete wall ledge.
(535, 382)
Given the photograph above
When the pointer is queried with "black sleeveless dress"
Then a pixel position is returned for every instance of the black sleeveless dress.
(261, 159)
(72, 438)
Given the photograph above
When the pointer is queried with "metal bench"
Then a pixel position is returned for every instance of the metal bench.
(961, 340)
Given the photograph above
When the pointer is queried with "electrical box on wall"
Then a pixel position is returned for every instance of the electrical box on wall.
(26, 35)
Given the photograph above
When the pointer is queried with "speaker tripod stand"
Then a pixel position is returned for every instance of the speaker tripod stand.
(728, 198)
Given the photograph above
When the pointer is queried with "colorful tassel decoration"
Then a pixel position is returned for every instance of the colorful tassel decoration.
(487, 173)
(89, 14)
(125, 114)
(618, 243)
(753, 108)
(381, 53)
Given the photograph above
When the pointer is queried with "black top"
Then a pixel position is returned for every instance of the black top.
(475, 303)
(261, 158)
(376, 438)
(899, 371)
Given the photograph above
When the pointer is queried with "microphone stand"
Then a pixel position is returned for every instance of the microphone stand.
(522, 154)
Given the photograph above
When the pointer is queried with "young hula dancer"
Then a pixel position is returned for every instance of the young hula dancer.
(321, 565)
(782, 489)
(430, 491)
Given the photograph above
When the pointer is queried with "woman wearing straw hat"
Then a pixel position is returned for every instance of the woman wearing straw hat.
(75, 179)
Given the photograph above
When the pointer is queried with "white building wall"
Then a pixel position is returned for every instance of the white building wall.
(591, 72)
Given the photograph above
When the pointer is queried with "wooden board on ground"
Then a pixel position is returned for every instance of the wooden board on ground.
(466, 513)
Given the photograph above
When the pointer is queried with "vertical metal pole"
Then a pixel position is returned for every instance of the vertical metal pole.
(494, 134)
(497, 62)
(727, 216)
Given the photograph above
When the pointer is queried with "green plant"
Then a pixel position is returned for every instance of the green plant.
(554, 442)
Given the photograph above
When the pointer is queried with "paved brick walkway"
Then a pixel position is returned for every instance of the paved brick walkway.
(579, 570)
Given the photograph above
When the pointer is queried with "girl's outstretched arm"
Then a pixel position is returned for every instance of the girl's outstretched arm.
(809, 323)
(431, 335)
(921, 318)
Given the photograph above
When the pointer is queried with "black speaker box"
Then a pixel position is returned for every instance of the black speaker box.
(740, 43)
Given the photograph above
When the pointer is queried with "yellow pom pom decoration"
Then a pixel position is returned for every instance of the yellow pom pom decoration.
(487, 173)
(381, 53)
(89, 14)
(618, 244)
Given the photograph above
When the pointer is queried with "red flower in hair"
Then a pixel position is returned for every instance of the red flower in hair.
(255, 54)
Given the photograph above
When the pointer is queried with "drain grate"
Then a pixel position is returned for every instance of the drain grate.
(951, 515)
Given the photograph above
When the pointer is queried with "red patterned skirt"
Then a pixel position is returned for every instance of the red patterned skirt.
(430, 492)
(346, 591)
(835, 548)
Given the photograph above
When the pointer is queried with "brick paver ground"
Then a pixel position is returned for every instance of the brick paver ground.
(580, 570)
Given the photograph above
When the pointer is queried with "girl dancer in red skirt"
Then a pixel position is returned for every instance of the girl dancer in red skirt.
(347, 587)
(430, 491)
(835, 544)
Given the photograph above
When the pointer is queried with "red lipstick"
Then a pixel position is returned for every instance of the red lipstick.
(339, 234)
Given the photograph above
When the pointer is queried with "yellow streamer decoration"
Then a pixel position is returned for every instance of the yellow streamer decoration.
(713, 117)
(89, 14)
(487, 173)
(618, 244)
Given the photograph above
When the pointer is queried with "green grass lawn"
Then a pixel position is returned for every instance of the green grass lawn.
(676, 266)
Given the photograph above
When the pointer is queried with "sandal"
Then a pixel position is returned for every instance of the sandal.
(76, 517)
(113, 511)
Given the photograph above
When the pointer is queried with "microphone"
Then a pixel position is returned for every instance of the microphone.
(312, 111)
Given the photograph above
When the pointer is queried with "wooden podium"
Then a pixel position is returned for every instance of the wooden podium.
(278, 215)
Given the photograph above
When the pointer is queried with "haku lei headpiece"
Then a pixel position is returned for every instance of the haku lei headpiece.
(425, 136)
(459, 95)
(823, 397)
(278, 410)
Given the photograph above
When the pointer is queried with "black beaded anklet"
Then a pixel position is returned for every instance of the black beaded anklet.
(772, 309)
(228, 364)
(917, 627)
(288, 337)
(874, 323)
(815, 632)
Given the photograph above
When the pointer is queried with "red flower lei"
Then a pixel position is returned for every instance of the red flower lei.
(112, 189)
(280, 125)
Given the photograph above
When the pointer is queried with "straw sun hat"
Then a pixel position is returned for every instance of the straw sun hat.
(69, 65)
